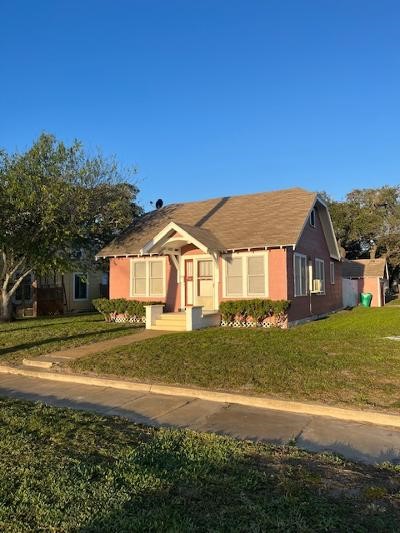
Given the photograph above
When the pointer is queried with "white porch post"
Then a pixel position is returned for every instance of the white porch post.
(215, 257)
(153, 312)
(194, 316)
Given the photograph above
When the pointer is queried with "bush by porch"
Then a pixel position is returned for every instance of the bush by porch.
(122, 310)
(253, 313)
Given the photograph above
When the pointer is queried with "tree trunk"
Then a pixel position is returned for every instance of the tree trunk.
(372, 251)
(5, 307)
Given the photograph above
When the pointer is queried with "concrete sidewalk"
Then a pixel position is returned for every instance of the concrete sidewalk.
(361, 442)
(69, 354)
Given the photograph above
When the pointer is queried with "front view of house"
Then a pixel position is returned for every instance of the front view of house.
(278, 245)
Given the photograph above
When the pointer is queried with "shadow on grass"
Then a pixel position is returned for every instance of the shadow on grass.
(33, 344)
(33, 327)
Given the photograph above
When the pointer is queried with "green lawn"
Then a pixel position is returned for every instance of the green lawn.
(342, 360)
(31, 337)
(396, 301)
(68, 471)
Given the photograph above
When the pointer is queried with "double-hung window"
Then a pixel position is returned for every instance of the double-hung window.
(256, 275)
(156, 269)
(245, 276)
(332, 272)
(320, 273)
(234, 277)
(300, 274)
(139, 284)
(148, 278)
(24, 291)
(80, 286)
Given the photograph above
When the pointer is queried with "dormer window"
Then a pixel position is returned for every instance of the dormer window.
(313, 218)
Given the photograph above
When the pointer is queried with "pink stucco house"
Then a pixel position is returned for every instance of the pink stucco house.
(192, 256)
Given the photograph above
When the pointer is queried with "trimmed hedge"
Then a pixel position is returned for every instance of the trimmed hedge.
(257, 309)
(121, 306)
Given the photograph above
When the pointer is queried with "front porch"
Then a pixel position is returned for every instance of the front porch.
(192, 269)
(191, 318)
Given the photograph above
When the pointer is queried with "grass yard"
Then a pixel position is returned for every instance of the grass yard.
(68, 471)
(394, 302)
(42, 335)
(343, 360)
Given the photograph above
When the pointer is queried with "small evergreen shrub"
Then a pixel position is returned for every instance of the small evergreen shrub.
(253, 312)
(132, 309)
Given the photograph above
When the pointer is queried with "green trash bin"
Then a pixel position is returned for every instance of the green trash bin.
(366, 299)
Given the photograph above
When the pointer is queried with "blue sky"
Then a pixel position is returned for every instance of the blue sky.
(211, 97)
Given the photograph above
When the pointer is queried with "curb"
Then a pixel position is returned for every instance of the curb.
(370, 417)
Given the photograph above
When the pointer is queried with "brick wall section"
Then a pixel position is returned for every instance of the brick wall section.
(313, 244)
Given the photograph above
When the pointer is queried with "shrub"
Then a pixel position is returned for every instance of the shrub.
(257, 309)
(103, 306)
(121, 306)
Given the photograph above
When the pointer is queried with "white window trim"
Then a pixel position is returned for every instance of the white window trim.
(147, 262)
(245, 278)
(332, 271)
(303, 293)
(87, 286)
(321, 261)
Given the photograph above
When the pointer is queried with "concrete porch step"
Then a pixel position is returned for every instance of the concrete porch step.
(37, 363)
(168, 327)
(171, 320)
(181, 317)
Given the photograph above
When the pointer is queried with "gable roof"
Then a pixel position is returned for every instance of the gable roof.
(364, 268)
(232, 222)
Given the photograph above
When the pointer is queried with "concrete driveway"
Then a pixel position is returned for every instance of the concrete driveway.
(361, 442)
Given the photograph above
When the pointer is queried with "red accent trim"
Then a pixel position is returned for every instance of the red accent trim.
(188, 277)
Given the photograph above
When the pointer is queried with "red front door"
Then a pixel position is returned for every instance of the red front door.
(188, 282)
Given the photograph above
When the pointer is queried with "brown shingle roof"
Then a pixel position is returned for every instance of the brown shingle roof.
(247, 221)
(363, 268)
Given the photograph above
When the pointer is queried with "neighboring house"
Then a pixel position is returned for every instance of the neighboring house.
(278, 245)
(365, 275)
(59, 293)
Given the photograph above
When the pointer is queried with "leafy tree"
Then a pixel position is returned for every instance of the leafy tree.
(367, 223)
(56, 201)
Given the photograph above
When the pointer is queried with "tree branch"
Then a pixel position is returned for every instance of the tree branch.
(19, 281)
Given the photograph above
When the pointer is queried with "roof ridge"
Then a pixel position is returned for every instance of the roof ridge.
(238, 196)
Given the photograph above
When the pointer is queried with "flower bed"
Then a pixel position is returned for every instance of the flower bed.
(122, 310)
(254, 313)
